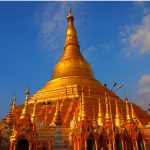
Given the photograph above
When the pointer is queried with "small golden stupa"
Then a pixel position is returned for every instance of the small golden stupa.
(75, 111)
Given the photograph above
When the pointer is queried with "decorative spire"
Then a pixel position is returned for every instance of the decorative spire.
(117, 116)
(27, 94)
(82, 107)
(25, 109)
(100, 118)
(13, 106)
(71, 37)
(70, 16)
(107, 115)
(10, 116)
(110, 110)
(128, 117)
(33, 116)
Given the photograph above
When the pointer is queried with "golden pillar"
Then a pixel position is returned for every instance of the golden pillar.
(100, 118)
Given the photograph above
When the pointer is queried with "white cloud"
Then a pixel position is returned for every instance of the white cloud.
(143, 95)
(137, 37)
(144, 80)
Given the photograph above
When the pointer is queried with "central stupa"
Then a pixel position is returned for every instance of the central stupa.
(71, 73)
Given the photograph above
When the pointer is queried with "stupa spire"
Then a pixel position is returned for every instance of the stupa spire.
(33, 116)
(100, 118)
(82, 107)
(11, 114)
(107, 114)
(128, 117)
(25, 109)
(71, 35)
(70, 16)
(13, 106)
(117, 116)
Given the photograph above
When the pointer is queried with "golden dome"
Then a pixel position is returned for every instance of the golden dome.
(71, 73)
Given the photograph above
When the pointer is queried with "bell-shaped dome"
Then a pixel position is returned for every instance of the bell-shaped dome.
(71, 73)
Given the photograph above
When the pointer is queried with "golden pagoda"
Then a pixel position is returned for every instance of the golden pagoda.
(77, 109)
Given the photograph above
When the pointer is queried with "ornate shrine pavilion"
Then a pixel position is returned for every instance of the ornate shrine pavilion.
(74, 111)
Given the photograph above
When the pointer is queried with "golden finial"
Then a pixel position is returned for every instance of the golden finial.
(70, 16)
(25, 109)
(128, 117)
(27, 93)
(100, 118)
(33, 116)
(107, 115)
(117, 116)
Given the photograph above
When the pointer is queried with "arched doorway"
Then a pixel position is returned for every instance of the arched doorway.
(140, 143)
(118, 143)
(90, 143)
(22, 144)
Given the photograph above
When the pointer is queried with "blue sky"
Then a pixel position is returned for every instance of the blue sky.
(114, 38)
